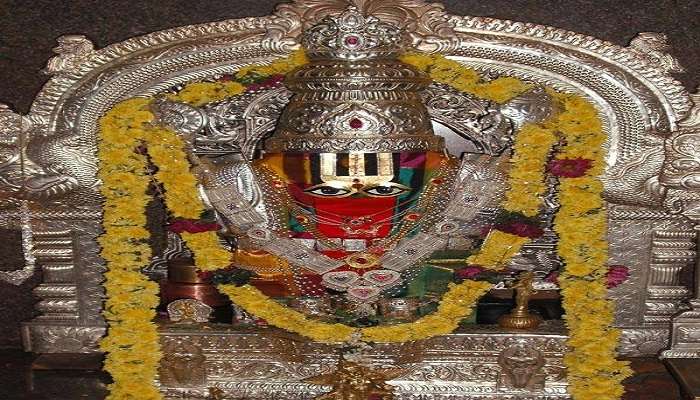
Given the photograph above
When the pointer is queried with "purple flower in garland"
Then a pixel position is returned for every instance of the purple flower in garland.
(570, 167)
(271, 81)
(522, 229)
(617, 275)
(552, 277)
(518, 224)
(192, 226)
(468, 272)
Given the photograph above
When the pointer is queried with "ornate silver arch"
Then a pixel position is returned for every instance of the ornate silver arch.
(47, 156)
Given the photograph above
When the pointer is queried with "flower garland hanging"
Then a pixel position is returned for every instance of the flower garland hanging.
(132, 347)
(592, 370)
(132, 344)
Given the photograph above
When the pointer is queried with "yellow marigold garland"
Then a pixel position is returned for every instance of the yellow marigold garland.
(181, 195)
(132, 343)
(455, 305)
(593, 372)
(530, 154)
(444, 70)
(497, 250)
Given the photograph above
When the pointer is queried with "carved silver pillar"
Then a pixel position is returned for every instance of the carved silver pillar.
(681, 174)
(658, 248)
(47, 191)
(70, 294)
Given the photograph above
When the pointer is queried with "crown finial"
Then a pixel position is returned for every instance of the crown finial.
(355, 94)
(353, 36)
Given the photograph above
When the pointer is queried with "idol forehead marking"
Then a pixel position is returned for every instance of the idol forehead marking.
(368, 174)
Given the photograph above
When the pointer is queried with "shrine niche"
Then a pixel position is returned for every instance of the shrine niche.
(362, 199)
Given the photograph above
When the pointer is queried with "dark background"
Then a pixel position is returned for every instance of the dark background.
(28, 30)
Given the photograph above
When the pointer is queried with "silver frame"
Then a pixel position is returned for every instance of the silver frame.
(648, 116)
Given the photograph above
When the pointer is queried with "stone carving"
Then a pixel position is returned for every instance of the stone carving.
(20, 175)
(360, 36)
(59, 298)
(673, 92)
(71, 295)
(682, 163)
(672, 251)
(692, 118)
(685, 335)
(183, 118)
(480, 122)
(11, 125)
(634, 179)
(44, 338)
(72, 50)
(681, 175)
(689, 334)
(353, 381)
(532, 106)
(239, 123)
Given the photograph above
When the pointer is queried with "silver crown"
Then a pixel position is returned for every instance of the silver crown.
(355, 95)
(353, 36)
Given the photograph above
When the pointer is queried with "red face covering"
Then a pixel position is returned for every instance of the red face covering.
(355, 216)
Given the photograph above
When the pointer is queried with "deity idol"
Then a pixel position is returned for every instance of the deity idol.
(354, 198)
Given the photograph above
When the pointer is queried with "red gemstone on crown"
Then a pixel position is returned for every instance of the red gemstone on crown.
(361, 260)
(412, 216)
(437, 181)
(356, 123)
(352, 40)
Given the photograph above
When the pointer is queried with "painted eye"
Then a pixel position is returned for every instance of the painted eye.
(387, 190)
(327, 191)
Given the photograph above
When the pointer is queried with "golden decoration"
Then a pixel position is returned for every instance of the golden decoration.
(362, 260)
(353, 381)
(216, 393)
(520, 317)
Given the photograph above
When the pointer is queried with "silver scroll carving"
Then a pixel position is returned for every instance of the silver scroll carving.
(60, 131)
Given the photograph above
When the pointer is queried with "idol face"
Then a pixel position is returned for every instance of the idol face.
(354, 195)
(357, 175)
